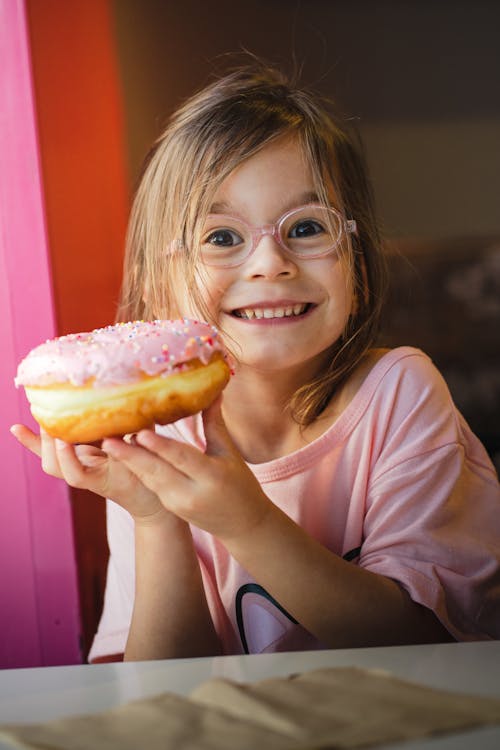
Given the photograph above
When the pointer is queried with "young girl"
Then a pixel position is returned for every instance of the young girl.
(334, 496)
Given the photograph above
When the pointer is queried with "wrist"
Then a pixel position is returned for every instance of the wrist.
(159, 519)
(242, 544)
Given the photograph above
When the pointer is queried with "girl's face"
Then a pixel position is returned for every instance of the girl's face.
(279, 311)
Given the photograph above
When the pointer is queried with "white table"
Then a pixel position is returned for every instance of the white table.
(32, 695)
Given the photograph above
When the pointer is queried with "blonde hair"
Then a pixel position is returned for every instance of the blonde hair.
(204, 141)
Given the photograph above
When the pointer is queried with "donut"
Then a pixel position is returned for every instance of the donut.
(84, 387)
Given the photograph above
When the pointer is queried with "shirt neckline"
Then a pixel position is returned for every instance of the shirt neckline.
(297, 461)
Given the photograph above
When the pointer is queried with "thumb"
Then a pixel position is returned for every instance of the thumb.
(218, 439)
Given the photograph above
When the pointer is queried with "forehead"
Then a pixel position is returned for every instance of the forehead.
(275, 179)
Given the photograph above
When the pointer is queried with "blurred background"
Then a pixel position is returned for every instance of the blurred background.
(421, 79)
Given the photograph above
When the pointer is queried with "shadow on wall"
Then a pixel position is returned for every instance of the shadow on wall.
(444, 297)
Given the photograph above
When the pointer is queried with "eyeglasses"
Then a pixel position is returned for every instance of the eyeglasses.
(310, 231)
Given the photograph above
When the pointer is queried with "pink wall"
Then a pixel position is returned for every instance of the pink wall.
(39, 612)
(86, 195)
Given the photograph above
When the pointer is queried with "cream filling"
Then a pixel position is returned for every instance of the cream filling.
(66, 400)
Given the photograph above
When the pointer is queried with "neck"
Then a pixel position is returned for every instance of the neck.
(256, 411)
(257, 415)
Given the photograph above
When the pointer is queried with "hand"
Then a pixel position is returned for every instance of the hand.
(215, 490)
(89, 467)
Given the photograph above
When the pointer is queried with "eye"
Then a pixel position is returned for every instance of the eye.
(223, 238)
(305, 228)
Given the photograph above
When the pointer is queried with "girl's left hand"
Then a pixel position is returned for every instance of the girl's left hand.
(215, 490)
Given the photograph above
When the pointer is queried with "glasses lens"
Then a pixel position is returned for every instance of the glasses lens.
(225, 241)
(308, 231)
(311, 230)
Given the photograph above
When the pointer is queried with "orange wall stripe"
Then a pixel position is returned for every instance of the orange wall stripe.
(81, 130)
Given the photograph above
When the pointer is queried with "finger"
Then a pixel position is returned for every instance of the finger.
(27, 438)
(186, 459)
(41, 445)
(144, 461)
(90, 456)
(219, 441)
(72, 468)
(130, 438)
(50, 461)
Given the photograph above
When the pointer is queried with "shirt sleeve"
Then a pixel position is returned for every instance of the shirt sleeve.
(432, 518)
(116, 616)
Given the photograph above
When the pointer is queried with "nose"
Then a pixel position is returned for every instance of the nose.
(269, 260)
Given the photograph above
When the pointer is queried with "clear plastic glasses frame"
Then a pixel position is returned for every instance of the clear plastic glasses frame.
(331, 223)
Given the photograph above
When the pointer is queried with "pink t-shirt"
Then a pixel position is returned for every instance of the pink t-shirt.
(398, 484)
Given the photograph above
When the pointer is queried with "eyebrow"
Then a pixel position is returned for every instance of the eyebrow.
(221, 207)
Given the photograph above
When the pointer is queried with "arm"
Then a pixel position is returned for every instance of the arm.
(170, 615)
(295, 569)
(366, 609)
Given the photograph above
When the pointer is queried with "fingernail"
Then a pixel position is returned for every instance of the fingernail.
(60, 443)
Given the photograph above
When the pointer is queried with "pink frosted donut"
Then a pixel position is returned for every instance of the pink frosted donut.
(116, 380)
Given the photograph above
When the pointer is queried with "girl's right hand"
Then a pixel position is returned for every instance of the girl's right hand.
(88, 467)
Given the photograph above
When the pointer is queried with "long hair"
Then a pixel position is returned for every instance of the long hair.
(204, 141)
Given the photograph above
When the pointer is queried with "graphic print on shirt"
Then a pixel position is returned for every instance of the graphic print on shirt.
(264, 626)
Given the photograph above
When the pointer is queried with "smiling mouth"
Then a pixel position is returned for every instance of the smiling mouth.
(289, 311)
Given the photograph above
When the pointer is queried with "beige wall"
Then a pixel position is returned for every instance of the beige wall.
(422, 77)
(437, 178)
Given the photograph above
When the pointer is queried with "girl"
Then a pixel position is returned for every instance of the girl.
(334, 496)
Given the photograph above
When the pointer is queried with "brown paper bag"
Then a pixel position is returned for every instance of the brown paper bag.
(328, 708)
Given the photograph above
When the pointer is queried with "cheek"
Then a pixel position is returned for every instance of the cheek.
(200, 299)
(211, 286)
(340, 289)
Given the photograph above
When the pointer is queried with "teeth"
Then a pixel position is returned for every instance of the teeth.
(271, 312)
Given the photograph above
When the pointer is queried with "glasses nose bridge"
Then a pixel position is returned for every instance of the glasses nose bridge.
(273, 230)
